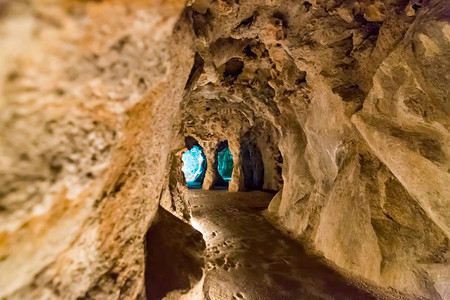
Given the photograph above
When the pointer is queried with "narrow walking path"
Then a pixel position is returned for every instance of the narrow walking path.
(247, 258)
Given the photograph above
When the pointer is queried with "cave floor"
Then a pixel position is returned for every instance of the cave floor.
(248, 258)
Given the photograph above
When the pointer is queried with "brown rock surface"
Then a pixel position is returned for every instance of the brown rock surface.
(343, 104)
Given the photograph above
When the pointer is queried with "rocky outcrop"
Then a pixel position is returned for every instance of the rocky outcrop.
(84, 143)
(342, 104)
(174, 259)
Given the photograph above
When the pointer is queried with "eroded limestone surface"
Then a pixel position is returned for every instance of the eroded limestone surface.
(340, 106)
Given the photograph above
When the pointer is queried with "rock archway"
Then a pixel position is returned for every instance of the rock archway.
(194, 164)
(225, 164)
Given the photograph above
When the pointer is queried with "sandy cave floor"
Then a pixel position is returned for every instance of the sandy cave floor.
(248, 258)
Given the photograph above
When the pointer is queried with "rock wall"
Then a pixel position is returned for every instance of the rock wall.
(174, 259)
(350, 95)
(347, 101)
(85, 137)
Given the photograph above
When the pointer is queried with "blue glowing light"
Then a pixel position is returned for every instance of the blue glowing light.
(225, 164)
(194, 165)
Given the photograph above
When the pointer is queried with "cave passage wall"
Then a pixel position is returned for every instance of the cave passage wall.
(344, 100)
(344, 106)
(85, 133)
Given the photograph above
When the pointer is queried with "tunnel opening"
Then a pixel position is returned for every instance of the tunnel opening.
(194, 164)
(225, 163)
(252, 166)
(224, 160)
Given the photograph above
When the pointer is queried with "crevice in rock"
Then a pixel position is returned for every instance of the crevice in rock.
(247, 22)
(196, 71)
(233, 68)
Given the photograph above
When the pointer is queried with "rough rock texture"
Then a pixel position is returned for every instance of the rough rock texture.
(84, 131)
(355, 98)
(343, 104)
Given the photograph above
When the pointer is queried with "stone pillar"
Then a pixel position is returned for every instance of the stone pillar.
(209, 149)
(237, 178)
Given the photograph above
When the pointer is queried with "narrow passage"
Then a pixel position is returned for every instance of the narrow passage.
(248, 258)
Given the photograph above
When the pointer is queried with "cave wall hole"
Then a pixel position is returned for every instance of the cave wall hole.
(194, 164)
(224, 165)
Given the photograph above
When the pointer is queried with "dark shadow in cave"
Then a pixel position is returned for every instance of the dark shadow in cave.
(173, 256)
(194, 164)
(252, 166)
(280, 167)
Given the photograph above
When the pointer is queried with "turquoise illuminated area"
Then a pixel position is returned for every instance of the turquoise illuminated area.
(225, 163)
(194, 165)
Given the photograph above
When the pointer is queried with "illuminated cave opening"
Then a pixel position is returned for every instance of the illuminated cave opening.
(224, 166)
(194, 167)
